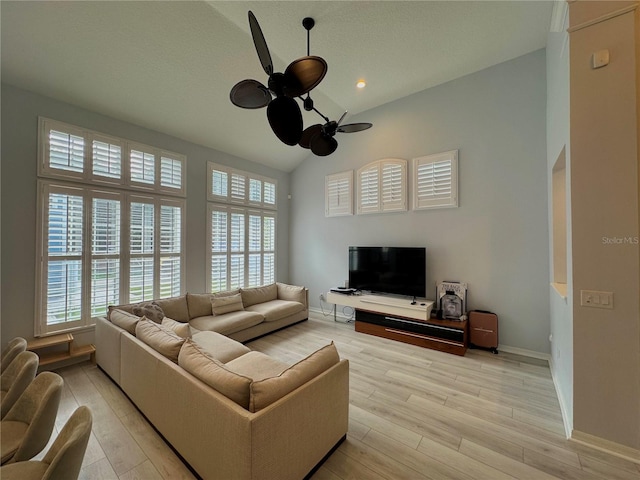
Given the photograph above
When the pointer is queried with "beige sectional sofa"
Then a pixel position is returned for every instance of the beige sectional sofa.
(230, 412)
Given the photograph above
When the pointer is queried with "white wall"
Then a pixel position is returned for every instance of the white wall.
(561, 312)
(20, 111)
(496, 241)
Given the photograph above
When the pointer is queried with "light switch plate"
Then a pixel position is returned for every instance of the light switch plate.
(596, 299)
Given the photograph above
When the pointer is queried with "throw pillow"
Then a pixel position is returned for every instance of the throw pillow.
(161, 339)
(265, 392)
(215, 374)
(150, 310)
(179, 328)
(125, 320)
(230, 303)
(175, 307)
(292, 293)
(252, 296)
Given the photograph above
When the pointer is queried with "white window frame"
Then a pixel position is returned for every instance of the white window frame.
(424, 169)
(374, 181)
(246, 252)
(244, 199)
(338, 194)
(45, 125)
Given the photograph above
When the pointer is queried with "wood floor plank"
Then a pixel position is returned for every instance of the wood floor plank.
(556, 467)
(144, 471)
(505, 464)
(347, 468)
(398, 433)
(100, 470)
(606, 471)
(418, 461)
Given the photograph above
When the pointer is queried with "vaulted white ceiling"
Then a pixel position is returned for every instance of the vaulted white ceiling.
(169, 65)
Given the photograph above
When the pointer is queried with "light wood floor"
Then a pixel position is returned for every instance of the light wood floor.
(415, 414)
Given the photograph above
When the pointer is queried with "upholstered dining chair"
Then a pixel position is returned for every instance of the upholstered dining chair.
(64, 459)
(16, 346)
(15, 379)
(26, 428)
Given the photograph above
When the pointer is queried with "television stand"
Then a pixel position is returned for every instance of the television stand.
(397, 319)
(445, 335)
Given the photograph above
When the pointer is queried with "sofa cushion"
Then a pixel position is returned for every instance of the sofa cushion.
(222, 305)
(175, 307)
(276, 309)
(218, 346)
(251, 296)
(256, 366)
(150, 310)
(181, 329)
(292, 293)
(212, 372)
(265, 392)
(125, 308)
(161, 339)
(125, 320)
(228, 323)
(199, 304)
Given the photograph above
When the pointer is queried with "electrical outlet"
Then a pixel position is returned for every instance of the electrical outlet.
(596, 299)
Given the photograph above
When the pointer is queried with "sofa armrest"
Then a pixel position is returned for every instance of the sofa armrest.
(293, 434)
(108, 347)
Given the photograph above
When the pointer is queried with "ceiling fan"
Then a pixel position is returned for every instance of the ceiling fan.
(300, 77)
(320, 138)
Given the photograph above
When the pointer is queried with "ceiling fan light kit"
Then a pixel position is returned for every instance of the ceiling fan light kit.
(283, 112)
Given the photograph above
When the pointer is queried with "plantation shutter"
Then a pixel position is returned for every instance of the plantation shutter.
(105, 254)
(368, 189)
(238, 186)
(382, 186)
(170, 248)
(142, 165)
(269, 196)
(141, 275)
(254, 270)
(237, 244)
(338, 198)
(171, 173)
(219, 250)
(255, 191)
(394, 192)
(269, 248)
(106, 158)
(64, 250)
(65, 150)
(436, 181)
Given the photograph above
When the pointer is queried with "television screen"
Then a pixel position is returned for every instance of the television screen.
(396, 270)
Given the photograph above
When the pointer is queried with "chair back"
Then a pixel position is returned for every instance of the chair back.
(67, 452)
(16, 346)
(15, 379)
(37, 407)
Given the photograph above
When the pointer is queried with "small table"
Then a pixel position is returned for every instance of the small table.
(72, 351)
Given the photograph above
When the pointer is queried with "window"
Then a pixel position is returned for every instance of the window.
(241, 229)
(435, 181)
(242, 243)
(338, 194)
(72, 153)
(227, 185)
(100, 245)
(382, 186)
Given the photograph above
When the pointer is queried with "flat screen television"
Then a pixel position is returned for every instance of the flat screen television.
(394, 270)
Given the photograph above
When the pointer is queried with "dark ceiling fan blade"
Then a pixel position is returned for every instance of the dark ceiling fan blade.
(308, 134)
(261, 44)
(250, 94)
(303, 75)
(323, 145)
(285, 119)
(354, 127)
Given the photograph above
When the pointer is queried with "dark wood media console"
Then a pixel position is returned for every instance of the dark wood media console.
(444, 335)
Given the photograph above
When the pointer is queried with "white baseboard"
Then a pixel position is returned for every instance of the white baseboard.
(327, 314)
(565, 409)
(524, 352)
(606, 446)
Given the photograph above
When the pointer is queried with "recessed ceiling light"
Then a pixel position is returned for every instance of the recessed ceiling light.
(361, 84)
